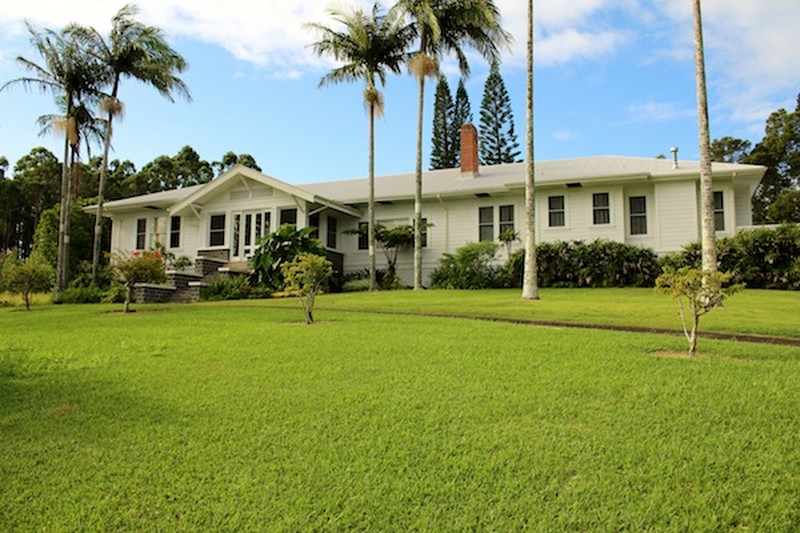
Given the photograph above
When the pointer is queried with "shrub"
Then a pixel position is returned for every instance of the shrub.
(278, 248)
(470, 267)
(764, 258)
(306, 276)
(599, 263)
(139, 267)
(80, 295)
(235, 288)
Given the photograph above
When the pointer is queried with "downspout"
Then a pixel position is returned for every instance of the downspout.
(446, 223)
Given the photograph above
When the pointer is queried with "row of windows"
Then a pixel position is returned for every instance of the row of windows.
(174, 233)
(637, 211)
(259, 224)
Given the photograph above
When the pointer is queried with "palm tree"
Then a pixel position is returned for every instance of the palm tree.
(530, 279)
(137, 51)
(445, 26)
(709, 240)
(73, 78)
(369, 46)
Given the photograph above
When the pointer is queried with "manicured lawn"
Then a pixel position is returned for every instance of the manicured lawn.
(234, 416)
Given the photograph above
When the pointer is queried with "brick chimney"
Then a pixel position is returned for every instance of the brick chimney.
(469, 151)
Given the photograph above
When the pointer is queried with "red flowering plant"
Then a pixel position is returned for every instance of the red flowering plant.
(141, 266)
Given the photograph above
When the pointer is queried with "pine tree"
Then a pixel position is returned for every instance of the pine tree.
(498, 140)
(444, 144)
(462, 114)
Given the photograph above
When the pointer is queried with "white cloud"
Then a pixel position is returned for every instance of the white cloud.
(652, 111)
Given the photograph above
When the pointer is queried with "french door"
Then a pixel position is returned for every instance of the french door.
(247, 229)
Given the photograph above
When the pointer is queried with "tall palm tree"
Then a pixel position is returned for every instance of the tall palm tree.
(369, 45)
(709, 240)
(530, 280)
(132, 50)
(73, 78)
(445, 26)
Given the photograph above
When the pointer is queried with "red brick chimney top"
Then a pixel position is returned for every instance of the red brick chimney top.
(469, 151)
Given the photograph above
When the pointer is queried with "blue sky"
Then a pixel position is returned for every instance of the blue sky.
(613, 77)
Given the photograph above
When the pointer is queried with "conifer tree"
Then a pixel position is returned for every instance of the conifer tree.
(462, 114)
(498, 140)
(444, 144)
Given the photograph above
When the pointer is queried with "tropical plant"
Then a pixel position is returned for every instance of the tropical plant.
(369, 45)
(278, 248)
(132, 50)
(697, 292)
(73, 78)
(508, 236)
(306, 275)
(139, 267)
(445, 26)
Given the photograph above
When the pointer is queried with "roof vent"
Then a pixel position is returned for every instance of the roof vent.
(674, 151)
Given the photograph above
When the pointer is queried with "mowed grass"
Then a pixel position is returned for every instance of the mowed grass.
(233, 417)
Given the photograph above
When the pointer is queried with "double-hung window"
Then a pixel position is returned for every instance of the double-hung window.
(331, 232)
(363, 235)
(506, 218)
(486, 223)
(601, 208)
(638, 213)
(719, 211)
(175, 232)
(141, 233)
(216, 230)
(288, 216)
(555, 211)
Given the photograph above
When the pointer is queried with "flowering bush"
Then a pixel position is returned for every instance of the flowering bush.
(142, 266)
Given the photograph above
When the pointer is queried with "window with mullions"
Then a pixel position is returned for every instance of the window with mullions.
(175, 232)
(363, 237)
(289, 216)
(486, 223)
(216, 230)
(601, 210)
(506, 213)
(555, 211)
(638, 213)
(141, 233)
(332, 232)
(719, 211)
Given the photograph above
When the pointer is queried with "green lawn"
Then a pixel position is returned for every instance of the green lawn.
(234, 416)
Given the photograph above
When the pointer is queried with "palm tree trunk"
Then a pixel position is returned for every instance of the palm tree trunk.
(371, 205)
(530, 280)
(709, 242)
(418, 189)
(62, 261)
(98, 219)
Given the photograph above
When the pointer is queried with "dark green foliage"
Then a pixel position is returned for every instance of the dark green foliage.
(80, 295)
(761, 258)
(45, 241)
(184, 169)
(786, 207)
(470, 267)
(230, 159)
(779, 151)
(598, 263)
(26, 277)
(462, 114)
(498, 140)
(235, 288)
(444, 144)
(280, 247)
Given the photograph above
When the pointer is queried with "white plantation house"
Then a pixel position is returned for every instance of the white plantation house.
(648, 202)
